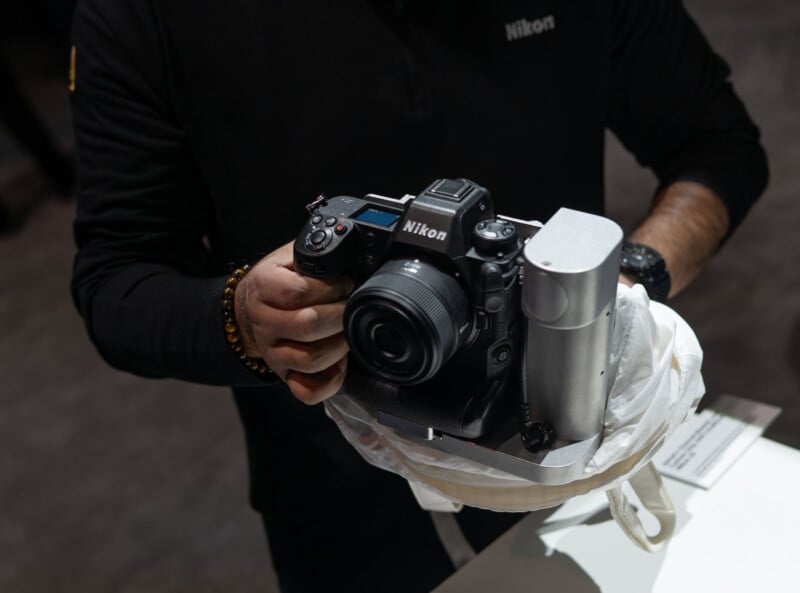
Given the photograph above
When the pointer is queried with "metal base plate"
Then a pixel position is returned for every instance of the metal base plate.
(502, 449)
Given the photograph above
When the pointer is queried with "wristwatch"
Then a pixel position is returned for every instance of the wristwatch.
(644, 265)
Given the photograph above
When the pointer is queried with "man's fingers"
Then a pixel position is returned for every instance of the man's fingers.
(303, 325)
(307, 358)
(285, 289)
(295, 323)
(314, 388)
(283, 256)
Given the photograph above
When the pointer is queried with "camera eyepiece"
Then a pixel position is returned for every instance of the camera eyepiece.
(407, 320)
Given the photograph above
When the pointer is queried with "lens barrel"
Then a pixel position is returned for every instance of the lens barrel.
(407, 320)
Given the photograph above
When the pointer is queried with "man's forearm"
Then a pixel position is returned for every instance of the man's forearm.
(686, 224)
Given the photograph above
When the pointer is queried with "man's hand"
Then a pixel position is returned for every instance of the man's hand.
(685, 225)
(294, 323)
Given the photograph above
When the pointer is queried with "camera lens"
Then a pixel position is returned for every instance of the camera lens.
(407, 320)
(389, 341)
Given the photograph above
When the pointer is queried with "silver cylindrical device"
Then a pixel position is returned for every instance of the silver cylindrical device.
(569, 292)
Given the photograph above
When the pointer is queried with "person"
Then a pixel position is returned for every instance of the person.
(203, 128)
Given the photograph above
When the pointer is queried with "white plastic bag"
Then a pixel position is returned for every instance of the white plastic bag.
(655, 363)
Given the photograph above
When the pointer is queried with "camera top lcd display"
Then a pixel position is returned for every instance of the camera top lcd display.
(379, 217)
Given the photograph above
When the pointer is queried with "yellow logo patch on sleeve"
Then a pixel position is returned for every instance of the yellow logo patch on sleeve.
(72, 69)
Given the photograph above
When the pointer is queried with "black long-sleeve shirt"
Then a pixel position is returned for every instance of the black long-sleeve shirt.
(204, 127)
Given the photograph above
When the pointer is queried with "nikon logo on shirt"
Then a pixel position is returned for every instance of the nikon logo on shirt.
(422, 229)
(524, 28)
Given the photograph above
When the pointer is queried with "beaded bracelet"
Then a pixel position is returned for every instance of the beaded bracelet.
(234, 337)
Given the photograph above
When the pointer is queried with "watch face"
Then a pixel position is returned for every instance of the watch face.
(649, 268)
(639, 257)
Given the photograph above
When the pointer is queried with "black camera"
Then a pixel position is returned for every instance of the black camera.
(434, 319)
(469, 330)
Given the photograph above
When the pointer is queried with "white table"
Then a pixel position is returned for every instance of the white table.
(741, 535)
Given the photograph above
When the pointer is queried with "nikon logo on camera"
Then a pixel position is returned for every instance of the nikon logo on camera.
(422, 229)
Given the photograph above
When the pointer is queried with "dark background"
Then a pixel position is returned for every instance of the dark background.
(109, 482)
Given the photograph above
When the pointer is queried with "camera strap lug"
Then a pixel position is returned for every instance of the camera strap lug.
(320, 200)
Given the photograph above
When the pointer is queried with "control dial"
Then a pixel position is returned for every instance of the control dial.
(494, 236)
(318, 240)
